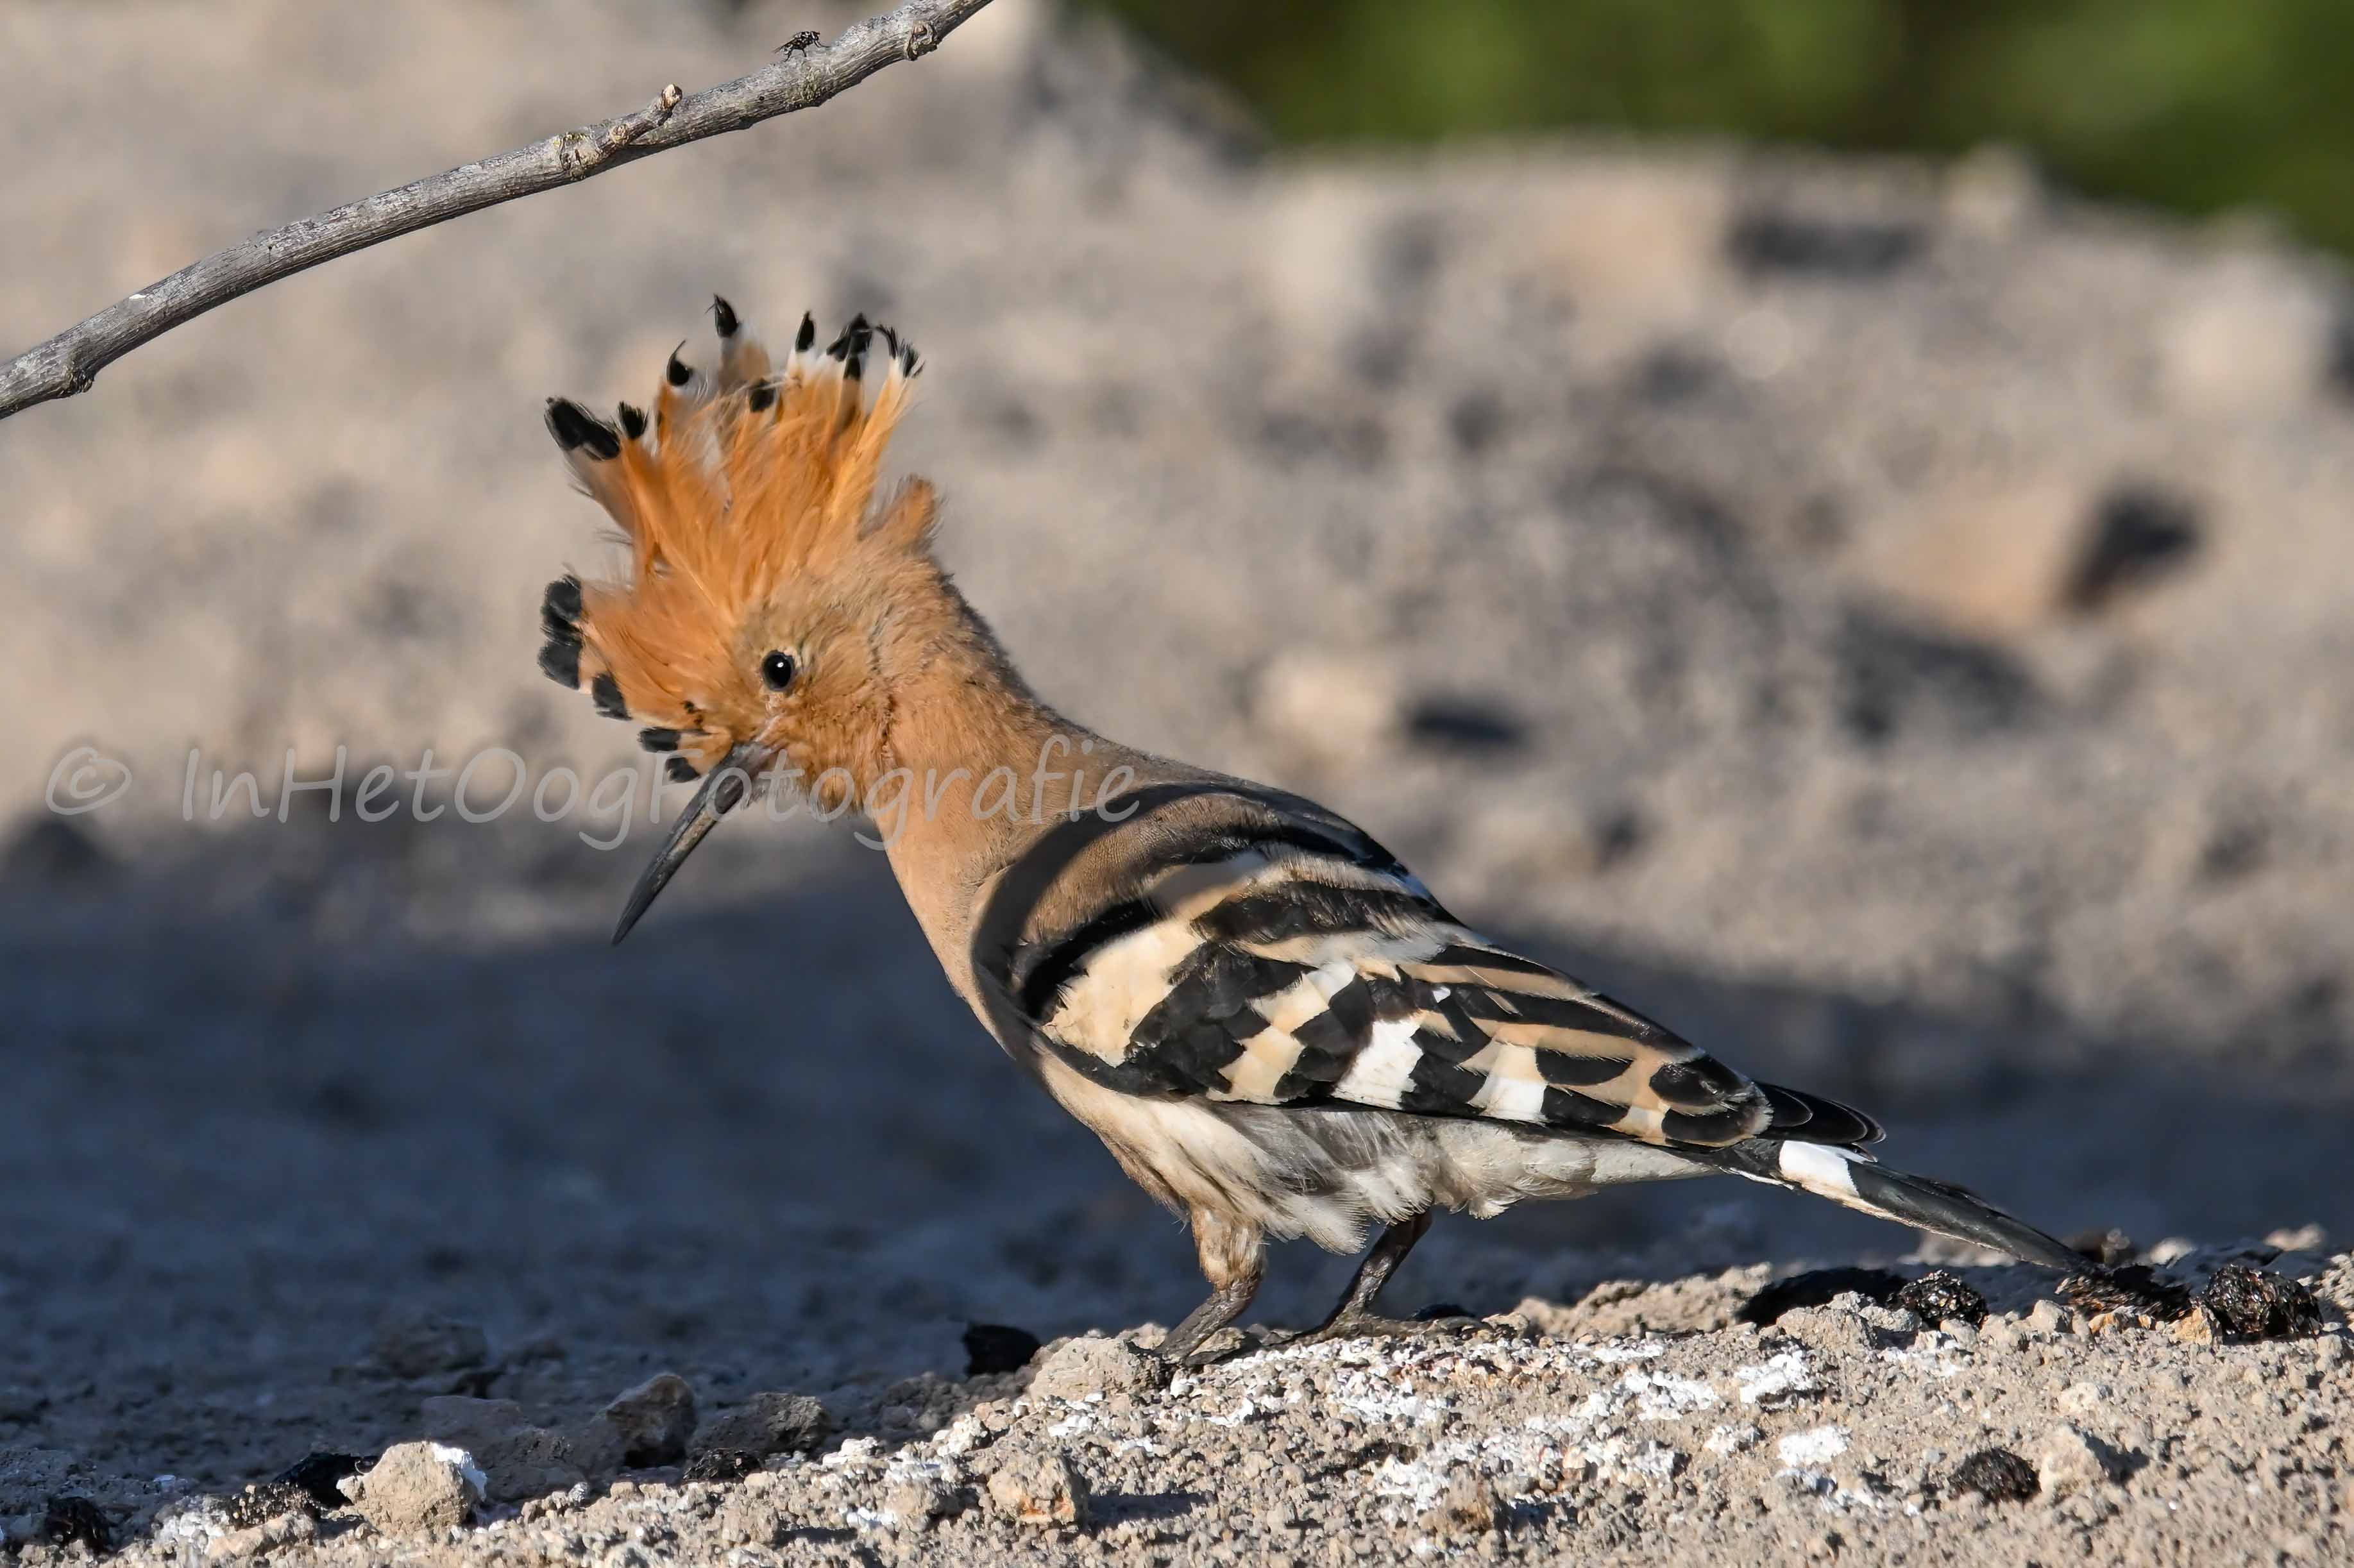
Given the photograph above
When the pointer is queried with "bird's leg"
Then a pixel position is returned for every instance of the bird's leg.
(1353, 1317)
(1234, 1260)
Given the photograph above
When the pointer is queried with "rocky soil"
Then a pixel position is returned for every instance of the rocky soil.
(1887, 620)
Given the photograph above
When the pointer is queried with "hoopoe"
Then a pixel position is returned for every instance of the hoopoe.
(1272, 1024)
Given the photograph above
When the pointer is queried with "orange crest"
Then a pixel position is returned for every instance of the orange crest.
(746, 491)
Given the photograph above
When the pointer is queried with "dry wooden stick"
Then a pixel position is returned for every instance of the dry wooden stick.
(802, 77)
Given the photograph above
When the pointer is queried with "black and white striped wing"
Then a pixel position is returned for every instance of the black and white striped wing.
(1272, 954)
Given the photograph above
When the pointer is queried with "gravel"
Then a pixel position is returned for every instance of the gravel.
(1871, 614)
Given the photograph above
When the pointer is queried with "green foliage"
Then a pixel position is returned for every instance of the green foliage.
(2196, 104)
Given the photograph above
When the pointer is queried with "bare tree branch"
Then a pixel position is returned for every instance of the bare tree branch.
(801, 78)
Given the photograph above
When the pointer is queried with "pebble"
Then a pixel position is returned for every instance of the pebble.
(653, 1421)
(1078, 1367)
(418, 1486)
(769, 1424)
(1041, 1489)
(1832, 1328)
(1468, 1506)
(918, 1500)
(517, 1460)
(2069, 1459)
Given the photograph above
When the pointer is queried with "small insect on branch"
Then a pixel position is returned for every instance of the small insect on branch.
(801, 77)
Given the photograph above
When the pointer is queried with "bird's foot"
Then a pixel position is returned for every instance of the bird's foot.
(1431, 1320)
(1215, 1350)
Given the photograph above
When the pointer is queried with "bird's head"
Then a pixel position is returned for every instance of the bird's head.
(771, 590)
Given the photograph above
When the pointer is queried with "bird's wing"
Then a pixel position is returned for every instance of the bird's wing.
(1270, 953)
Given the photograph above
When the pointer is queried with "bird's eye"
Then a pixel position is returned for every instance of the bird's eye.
(778, 670)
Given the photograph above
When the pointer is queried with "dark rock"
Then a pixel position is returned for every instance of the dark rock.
(66, 1520)
(1934, 1298)
(721, 1465)
(769, 1424)
(2137, 1288)
(2139, 536)
(994, 1348)
(1465, 724)
(2256, 1303)
(316, 1475)
(1997, 1475)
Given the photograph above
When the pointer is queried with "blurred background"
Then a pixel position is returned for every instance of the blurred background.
(2203, 106)
(1826, 518)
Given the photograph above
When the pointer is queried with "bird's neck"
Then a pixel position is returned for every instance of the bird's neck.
(986, 766)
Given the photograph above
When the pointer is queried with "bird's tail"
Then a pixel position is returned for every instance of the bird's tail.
(1853, 1179)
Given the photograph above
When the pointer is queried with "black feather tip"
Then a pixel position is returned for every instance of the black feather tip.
(606, 693)
(564, 597)
(806, 338)
(762, 397)
(633, 420)
(575, 427)
(680, 770)
(658, 740)
(560, 662)
(677, 372)
(723, 316)
(559, 612)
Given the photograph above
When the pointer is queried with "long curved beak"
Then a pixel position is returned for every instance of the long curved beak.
(722, 788)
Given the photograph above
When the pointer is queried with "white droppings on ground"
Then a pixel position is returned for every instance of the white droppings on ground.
(1815, 1446)
(1777, 1380)
(1663, 1397)
(1610, 1355)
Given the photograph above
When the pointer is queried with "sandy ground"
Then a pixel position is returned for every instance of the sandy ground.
(1885, 621)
